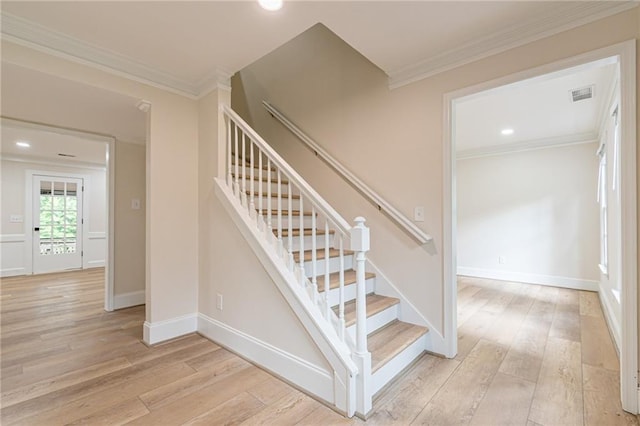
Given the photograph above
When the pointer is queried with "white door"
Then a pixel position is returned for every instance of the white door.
(57, 223)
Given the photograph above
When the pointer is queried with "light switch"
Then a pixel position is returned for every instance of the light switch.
(418, 214)
(135, 204)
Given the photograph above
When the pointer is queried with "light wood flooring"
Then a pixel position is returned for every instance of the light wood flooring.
(528, 355)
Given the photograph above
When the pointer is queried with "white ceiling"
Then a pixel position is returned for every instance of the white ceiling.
(47, 145)
(540, 112)
(188, 46)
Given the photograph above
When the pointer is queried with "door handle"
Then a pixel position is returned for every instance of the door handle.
(37, 228)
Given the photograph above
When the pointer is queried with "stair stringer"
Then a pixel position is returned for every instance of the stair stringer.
(407, 312)
(336, 352)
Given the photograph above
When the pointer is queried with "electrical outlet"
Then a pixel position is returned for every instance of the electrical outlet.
(219, 302)
(418, 214)
(16, 218)
(502, 260)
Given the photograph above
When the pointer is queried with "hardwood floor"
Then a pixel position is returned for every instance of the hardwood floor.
(528, 355)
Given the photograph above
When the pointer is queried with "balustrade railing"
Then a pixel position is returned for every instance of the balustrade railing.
(308, 235)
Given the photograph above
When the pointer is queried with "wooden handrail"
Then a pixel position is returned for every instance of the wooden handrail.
(404, 222)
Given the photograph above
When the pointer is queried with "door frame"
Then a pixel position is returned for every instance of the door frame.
(110, 142)
(626, 52)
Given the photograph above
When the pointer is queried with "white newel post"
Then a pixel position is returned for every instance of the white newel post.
(360, 245)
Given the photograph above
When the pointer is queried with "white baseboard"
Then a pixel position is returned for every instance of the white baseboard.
(169, 329)
(297, 371)
(607, 300)
(95, 264)
(126, 300)
(522, 277)
(12, 272)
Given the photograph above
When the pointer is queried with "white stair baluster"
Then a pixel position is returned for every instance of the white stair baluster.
(301, 236)
(327, 306)
(244, 171)
(236, 186)
(314, 255)
(229, 154)
(279, 206)
(252, 203)
(290, 227)
(260, 212)
(269, 227)
(341, 288)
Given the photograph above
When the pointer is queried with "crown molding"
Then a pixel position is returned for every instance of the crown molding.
(530, 145)
(574, 15)
(30, 34)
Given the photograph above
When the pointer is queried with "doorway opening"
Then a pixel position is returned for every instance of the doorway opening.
(621, 267)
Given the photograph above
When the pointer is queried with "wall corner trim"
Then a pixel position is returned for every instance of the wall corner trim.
(156, 332)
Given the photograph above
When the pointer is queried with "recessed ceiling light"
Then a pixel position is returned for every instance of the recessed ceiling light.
(507, 132)
(22, 144)
(271, 5)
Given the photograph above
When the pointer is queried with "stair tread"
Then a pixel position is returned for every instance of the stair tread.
(386, 343)
(307, 232)
(264, 194)
(334, 279)
(285, 212)
(375, 304)
(320, 254)
(264, 179)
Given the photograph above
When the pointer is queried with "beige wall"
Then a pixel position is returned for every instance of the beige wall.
(392, 139)
(129, 224)
(171, 198)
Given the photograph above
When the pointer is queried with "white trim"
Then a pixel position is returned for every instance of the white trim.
(12, 272)
(12, 238)
(109, 285)
(160, 331)
(626, 52)
(94, 264)
(508, 148)
(628, 227)
(528, 278)
(508, 38)
(291, 368)
(16, 158)
(96, 235)
(607, 300)
(82, 134)
(126, 300)
(27, 33)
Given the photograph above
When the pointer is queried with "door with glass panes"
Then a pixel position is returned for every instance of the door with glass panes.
(57, 223)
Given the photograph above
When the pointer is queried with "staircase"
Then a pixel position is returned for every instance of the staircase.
(309, 241)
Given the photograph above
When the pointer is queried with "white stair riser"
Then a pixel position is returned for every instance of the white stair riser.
(320, 242)
(391, 369)
(295, 223)
(265, 185)
(349, 291)
(334, 265)
(377, 321)
(295, 204)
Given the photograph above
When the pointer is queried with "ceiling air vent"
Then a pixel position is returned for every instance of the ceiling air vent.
(582, 93)
(66, 155)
